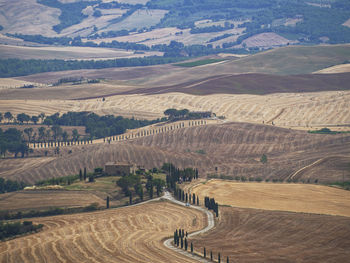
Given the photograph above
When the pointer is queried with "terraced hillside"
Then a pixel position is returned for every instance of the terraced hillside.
(130, 234)
(234, 148)
(252, 235)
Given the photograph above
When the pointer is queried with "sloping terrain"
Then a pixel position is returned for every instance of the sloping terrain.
(251, 235)
(43, 200)
(235, 149)
(301, 198)
(130, 234)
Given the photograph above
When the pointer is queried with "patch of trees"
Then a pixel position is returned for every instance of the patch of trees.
(177, 175)
(11, 229)
(220, 37)
(12, 141)
(10, 186)
(6, 215)
(71, 13)
(185, 114)
(210, 29)
(97, 126)
(211, 205)
(18, 67)
(110, 34)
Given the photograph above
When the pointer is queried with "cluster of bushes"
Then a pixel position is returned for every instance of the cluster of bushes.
(10, 186)
(185, 114)
(133, 181)
(17, 228)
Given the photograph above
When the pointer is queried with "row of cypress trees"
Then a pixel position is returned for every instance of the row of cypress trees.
(211, 205)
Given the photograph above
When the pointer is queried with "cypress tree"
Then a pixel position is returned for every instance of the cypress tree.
(197, 200)
(186, 244)
(183, 233)
(175, 237)
(186, 197)
(182, 242)
(217, 209)
(204, 253)
(189, 198)
(219, 257)
(194, 198)
(183, 196)
(211, 255)
(186, 234)
(227, 260)
(191, 247)
(141, 193)
(107, 202)
(80, 175)
(84, 173)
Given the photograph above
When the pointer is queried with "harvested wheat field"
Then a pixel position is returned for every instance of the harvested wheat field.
(129, 234)
(252, 235)
(305, 198)
(235, 148)
(46, 199)
(343, 68)
(297, 110)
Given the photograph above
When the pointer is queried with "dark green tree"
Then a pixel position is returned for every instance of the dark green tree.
(191, 247)
(80, 175)
(107, 202)
(204, 253)
(186, 244)
(84, 173)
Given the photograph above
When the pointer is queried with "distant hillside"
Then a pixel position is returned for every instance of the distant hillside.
(223, 23)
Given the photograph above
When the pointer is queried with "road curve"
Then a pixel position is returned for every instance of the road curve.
(210, 225)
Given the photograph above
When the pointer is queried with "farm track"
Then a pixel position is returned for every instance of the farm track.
(129, 234)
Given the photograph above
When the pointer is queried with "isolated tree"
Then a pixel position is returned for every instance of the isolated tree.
(41, 131)
(263, 159)
(41, 116)
(191, 247)
(22, 117)
(75, 135)
(57, 132)
(34, 119)
(204, 253)
(8, 116)
(29, 132)
(107, 202)
(64, 136)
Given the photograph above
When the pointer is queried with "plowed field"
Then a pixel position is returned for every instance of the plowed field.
(250, 235)
(130, 234)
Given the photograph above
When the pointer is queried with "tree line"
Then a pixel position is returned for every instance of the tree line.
(7, 185)
(11, 229)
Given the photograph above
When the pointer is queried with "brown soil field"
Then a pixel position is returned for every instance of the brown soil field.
(234, 148)
(80, 53)
(305, 198)
(46, 199)
(252, 235)
(129, 234)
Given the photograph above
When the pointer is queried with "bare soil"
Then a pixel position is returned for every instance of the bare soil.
(253, 235)
(129, 234)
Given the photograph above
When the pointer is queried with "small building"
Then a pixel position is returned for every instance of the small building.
(118, 169)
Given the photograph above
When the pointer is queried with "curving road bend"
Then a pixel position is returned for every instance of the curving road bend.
(210, 225)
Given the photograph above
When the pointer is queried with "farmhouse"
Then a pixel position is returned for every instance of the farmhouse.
(120, 169)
